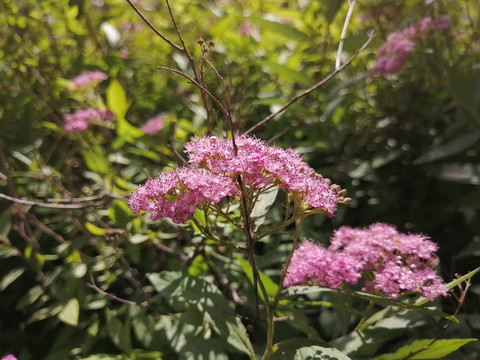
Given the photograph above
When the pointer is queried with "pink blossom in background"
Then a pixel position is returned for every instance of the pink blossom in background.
(9, 357)
(177, 194)
(443, 22)
(392, 55)
(153, 125)
(79, 120)
(246, 28)
(398, 262)
(88, 78)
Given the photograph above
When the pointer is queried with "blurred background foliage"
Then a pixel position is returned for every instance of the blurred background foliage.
(93, 279)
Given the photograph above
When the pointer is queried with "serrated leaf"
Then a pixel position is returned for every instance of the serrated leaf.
(319, 353)
(262, 205)
(70, 312)
(215, 309)
(426, 349)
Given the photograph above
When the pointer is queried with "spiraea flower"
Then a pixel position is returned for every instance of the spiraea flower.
(215, 167)
(9, 357)
(153, 125)
(311, 261)
(398, 263)
(260, 165)
(89, 78)
(177, 194)
(79, 120)
(392, 55)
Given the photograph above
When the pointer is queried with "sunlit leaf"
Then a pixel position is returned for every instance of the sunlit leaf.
(270, 286)
(70, 312)
(10, 277)
(426, 349)
(316, 352)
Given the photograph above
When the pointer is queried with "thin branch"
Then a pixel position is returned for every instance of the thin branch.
(48, 205)
(227, 103)
(202, 88)
(351, 5)
(312, 88)
(93, 286)
(150, 25)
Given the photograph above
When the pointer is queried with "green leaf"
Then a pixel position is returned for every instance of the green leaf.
(216, 311)
(10, 277)
(95, 230)
(96, 161)
(70, 312)
(270, 286)
(319, 353)
(118, 331)
(286, 349)
(332, 8)
(263, 203)
(288, 74)
(280, 29)
(8, 251)
(303, 290)
(426, 349)
(453, 147)
(116, 99)
(117, 103)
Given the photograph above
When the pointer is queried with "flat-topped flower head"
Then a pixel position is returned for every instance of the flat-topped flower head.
(177, 194)
(396, 262)
(261, 165)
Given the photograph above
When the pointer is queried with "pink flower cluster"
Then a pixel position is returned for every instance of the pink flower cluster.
(177, 194)
(395, 262)
(79, 120)
(88, 78)
(153, 125)
(213, 172)
(9, 357)
(261, 165)
(392, 55)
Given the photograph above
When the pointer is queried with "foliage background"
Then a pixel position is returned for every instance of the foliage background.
(404, 146)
